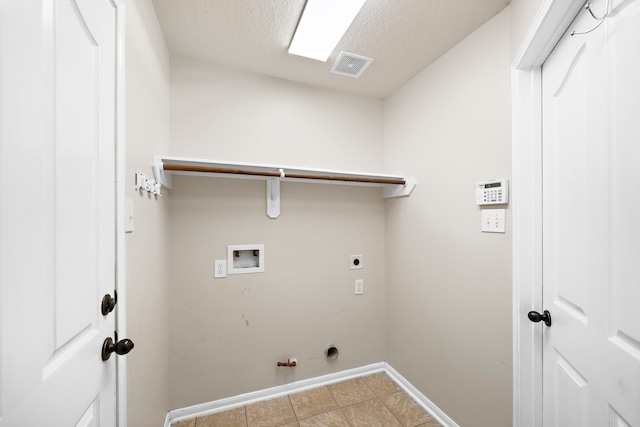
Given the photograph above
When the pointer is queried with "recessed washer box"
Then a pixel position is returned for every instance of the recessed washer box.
(243, 259)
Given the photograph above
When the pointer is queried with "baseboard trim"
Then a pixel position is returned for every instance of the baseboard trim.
(298, 386)
(433, 410)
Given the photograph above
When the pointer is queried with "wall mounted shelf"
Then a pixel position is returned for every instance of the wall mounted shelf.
(166, 166)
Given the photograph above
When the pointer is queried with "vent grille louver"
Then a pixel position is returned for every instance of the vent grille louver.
(350, 64)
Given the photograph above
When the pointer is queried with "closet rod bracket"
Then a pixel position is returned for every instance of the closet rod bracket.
(273, 197)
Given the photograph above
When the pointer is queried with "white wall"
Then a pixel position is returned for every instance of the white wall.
(448, 284)
(147, 132)
(233, 115)
(228, 334)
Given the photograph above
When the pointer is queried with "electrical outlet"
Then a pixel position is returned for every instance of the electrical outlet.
(355, 262)
(220, 269)
(359, 287)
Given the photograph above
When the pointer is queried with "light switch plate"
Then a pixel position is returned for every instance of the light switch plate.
(493, 220)
(129, 223)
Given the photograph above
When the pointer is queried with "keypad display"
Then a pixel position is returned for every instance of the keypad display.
(492, 192)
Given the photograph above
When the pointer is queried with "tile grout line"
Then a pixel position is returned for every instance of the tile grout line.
(376, 395)
(363, 380)
(246, 416)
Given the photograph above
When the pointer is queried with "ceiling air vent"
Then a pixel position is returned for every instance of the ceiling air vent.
(350, 64)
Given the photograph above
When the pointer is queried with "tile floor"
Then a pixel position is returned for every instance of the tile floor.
(369, 401)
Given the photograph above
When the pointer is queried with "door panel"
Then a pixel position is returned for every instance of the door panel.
(622, 346)
(626, 178)
(572, 398)
(57, 195)
(75, 183)
(616, 419)
(570, 197)
(89, 417)
(591, 206)
(570, 216)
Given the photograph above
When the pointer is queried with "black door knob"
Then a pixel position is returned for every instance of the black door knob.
(536, 317)
(108, 303)
(123, 346)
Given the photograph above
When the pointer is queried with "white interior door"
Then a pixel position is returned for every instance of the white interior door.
(591, 221)
(57, 218)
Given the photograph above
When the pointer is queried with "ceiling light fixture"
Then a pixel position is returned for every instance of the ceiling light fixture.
(322, 25)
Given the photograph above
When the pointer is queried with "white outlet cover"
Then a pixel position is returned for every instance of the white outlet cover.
(359, 287)
(220, 268)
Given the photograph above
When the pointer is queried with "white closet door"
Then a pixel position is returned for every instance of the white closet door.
(57, 223)
(591, 229)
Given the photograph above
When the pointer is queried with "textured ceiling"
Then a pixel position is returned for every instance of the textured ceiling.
(402, 37)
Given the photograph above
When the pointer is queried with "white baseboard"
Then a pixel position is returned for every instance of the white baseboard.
(298, 386)
(420, 398)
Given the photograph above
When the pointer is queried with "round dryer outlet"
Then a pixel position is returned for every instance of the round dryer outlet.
(355, 262)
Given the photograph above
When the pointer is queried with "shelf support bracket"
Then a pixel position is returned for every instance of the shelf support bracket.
(164, 178)
(394, 191)
(273, 197)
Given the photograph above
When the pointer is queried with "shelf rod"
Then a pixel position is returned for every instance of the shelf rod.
(277, 174)
(213, 169)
